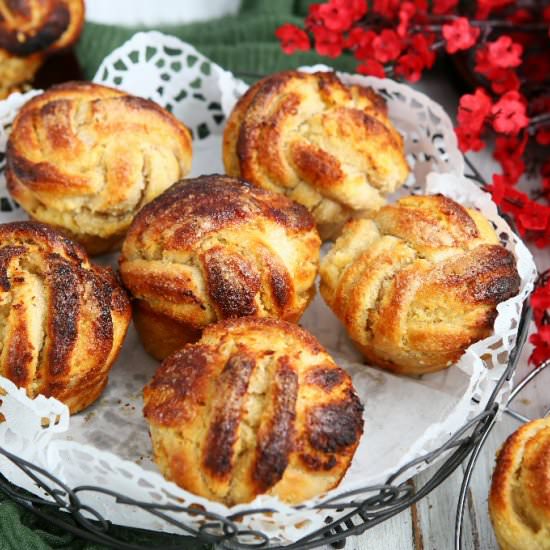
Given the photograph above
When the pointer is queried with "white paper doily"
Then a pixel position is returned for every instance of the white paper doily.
(108, 444)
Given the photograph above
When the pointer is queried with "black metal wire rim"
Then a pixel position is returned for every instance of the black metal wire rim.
(387, 501)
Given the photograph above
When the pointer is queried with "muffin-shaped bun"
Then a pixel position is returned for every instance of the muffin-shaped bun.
(257, 406)
(30, 30)
(327, 146)
(62, 320)
(86, 158)
(519, 501)
(418, 283)
(213, 248)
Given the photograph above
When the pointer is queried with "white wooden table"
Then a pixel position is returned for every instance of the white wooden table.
(429, 525)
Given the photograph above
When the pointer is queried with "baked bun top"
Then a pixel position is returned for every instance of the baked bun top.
(519, 501)
(256, 406)
(419, 282)
(63, 319)
(87, 157)
(39, 26)
(328, 146)
(216, 247)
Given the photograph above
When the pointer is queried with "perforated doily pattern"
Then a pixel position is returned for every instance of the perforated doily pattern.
(108, 445)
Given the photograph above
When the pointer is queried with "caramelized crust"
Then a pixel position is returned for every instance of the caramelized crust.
(62, 320)
(30, 30)
(329, 147)
(85, 158)
(418, 283)
(256, 406)
(214, 248)
(519, 501)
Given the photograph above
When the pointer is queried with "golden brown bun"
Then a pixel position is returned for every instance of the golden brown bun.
(419, 283)
(256, 406)
(519, 501)
(160, 334)
(327, 146)
(214, 248)
(30, 30)
(85, 158)
(62, 319)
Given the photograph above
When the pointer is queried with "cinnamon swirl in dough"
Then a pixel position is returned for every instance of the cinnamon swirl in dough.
(214, 248)
(85, 158)
(256, 406)
(519, 501)
(325, 145)
(30, 30)
(62, 320)
(418, 283)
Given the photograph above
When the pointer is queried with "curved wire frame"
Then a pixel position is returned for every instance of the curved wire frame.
(364, 508)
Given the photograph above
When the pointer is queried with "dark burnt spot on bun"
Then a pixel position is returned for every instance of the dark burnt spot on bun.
(336, 426)
(275, 439)
(64, 297)
(326, 378)
(219, 448)
(233, 283)
(36, 39)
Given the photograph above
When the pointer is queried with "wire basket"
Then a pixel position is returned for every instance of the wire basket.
(363, 508)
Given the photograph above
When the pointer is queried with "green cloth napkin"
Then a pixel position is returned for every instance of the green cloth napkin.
(245, 44)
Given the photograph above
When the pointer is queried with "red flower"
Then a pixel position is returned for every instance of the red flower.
(327, 42)
(504, 53)
(371, 67)
(540, 299)
(406, 13)
(442, 7)
(420, 44)
(474, 109)
(485, 7)
(543, 136)
(521, 16)
(292, 38)
(469, 139)
(509, 151)
(534, 218)
(503, 80)
(542, 349)
(360, 42)
(460, 35)
(386, 8)
(387, 46)
(409, 66)
(508, 197)
(339, 15)
(509, 113)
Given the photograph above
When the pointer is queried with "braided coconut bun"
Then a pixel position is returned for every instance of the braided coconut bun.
(30, 30)
(519, 501)
(85, 158)
(62, 319)
(325, 145)
(213, 248)
(418, 283)
(256, 406)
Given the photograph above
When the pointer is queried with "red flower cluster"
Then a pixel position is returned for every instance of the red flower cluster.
(510, 48)
(540, 302)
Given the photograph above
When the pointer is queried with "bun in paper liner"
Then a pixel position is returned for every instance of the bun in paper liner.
(213, 248)
(255, 406)
(325, 145)
(85, 158)
(519, 500)
(418, 282)
(436, 405)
